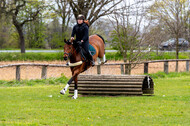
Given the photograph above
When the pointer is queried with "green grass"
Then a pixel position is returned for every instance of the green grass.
(59, 56)
(151, 56)
(169, 75)
(43, 105)
(31, 56)
(49, 81)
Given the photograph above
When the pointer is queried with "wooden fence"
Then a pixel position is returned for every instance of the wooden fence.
(44, 66)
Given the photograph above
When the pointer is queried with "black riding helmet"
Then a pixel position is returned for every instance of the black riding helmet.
(80, 17)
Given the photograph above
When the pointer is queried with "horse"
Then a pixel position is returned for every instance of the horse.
(77, 63)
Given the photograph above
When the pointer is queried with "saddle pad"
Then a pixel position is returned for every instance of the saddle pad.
(92, 49)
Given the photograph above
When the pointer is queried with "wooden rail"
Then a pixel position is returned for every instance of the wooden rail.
(44, 66)
(146, 65)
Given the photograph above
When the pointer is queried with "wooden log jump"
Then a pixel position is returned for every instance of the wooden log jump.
(114, 85)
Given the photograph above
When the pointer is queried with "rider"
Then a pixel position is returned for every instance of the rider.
(82, 35)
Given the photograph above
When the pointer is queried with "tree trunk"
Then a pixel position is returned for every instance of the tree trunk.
(127, 66)
(63, 28)
(157, 49)
(19, 28)
(21, 37)
(177, 52)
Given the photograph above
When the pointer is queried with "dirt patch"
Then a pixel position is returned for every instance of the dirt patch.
(34, 72)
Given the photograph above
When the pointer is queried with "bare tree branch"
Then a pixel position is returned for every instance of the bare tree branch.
(93, 9)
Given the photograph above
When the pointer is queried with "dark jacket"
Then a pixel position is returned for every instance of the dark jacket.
(81, 32)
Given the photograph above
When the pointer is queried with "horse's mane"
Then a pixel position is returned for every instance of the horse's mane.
(87, 22)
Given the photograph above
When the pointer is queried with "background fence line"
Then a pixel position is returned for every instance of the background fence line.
(122, 66)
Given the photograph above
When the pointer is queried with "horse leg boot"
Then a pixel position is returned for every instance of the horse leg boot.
(63, 91)
(76, 90)
(103, 60)
(75, 74)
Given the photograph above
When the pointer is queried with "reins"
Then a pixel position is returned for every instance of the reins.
(75, 50)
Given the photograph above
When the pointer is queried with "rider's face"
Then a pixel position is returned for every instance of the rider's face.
(79, 21)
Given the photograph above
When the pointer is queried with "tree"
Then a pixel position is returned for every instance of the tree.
(54, 34)
(35, 33)
(8, 35)
(19, 10)
(93, 9)
(158, 35)
(127, 36)
(63, 11)
(174, 14)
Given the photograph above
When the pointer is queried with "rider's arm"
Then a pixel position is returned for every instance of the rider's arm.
(86, 34)
(73, 32)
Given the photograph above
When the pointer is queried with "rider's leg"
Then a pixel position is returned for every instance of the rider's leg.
(85, 46)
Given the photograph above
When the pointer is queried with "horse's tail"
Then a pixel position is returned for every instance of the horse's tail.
(103, 41)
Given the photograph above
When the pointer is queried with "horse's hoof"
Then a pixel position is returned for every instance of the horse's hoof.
(63, 92)
(74, 97)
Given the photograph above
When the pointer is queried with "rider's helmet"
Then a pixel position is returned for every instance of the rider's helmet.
(80, 17)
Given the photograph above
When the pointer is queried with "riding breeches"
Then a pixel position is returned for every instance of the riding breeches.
(85, 46)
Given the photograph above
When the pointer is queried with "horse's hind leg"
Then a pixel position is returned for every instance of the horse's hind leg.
(99, 60)
(101, 55)
(63, 91)
(102, 60)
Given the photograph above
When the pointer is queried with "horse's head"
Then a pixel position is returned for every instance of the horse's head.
(68, 49)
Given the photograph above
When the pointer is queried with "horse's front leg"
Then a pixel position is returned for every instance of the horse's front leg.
(75, 74)
(63, 91)
(76, 86)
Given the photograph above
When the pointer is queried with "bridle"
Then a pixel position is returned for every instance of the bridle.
(73, 51)
(70, 53)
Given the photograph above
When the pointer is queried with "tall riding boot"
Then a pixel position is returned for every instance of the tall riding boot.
(91, 59)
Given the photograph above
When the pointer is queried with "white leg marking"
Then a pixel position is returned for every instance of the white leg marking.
(63, 91)
(75, 94)
(104, 58)
(99, 61)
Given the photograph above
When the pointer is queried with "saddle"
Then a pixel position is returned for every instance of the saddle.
(83, 53)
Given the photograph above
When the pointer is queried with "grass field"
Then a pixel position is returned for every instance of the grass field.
(43, 105)
(29, 56)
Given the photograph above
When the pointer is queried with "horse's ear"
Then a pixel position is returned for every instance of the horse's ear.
(65, 40)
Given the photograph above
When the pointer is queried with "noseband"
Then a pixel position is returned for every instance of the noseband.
(69, 54)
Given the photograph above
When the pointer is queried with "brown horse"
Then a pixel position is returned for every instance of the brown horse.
(78, 66)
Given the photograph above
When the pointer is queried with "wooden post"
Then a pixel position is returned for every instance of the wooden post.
(17, 73)
(122, 69)
(98, 69)
(187, 66)
(166, 67)
(176, 66)
(44, 72)
(145, 68)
